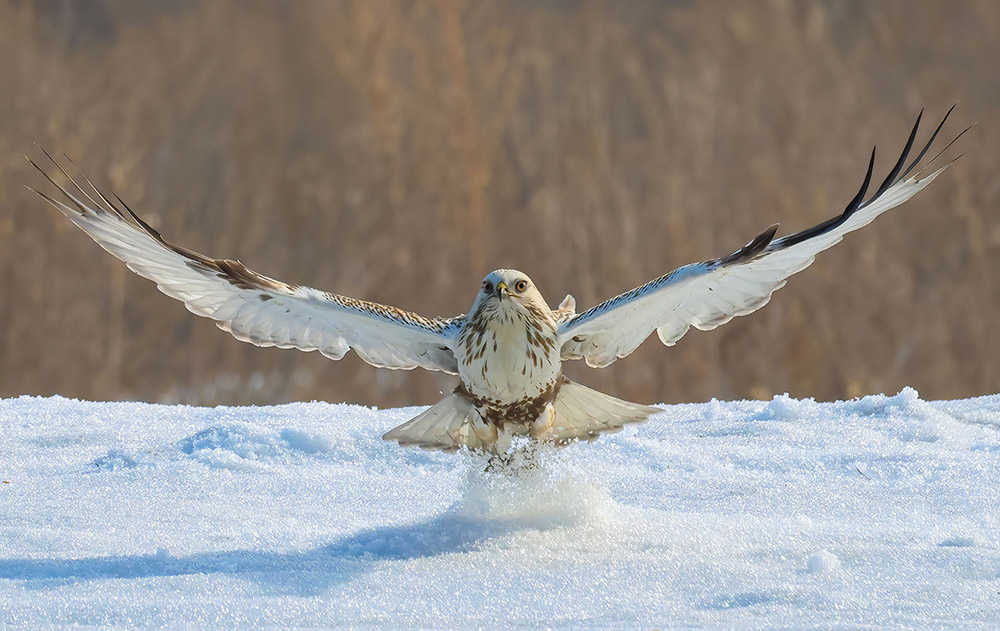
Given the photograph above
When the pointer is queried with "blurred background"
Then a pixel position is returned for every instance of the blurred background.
(399, 151)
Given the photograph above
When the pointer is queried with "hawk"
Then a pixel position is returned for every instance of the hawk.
(509, 349)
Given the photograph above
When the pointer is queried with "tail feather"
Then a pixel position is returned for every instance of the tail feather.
(444, 426)
(580, 413)
(583, 413)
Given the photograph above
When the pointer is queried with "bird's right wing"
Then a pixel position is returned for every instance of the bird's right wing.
(253, 307)
(708, 294)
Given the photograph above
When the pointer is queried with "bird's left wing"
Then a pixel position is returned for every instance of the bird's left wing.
(253, 307)
(708, 294)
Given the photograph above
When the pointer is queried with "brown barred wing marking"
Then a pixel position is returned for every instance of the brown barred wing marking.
(251, 306)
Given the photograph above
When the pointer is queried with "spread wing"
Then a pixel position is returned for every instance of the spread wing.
(255, 308)
(708, 294)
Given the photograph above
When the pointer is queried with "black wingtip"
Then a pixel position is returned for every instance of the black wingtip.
(57, 205)
(946, 147)
(768, 235)
(80, 207)
(760, 242)
(47, 154)
(891, 178)
(34, 164)
(830, 224)
(756, 245)
(855, 203)
(927, 146)
(894, 178)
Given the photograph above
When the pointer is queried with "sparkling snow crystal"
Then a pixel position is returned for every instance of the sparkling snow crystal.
(873, 513)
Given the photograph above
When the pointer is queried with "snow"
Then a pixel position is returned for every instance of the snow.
(823, 561)
(882, 512)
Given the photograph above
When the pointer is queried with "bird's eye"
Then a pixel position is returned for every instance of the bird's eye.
(521, 286)
(487, 286)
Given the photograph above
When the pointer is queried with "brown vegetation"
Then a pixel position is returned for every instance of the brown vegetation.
(398, 151)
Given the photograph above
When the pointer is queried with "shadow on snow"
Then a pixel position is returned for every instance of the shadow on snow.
(303, 572)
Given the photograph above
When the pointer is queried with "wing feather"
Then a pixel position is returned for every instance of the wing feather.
(708, 294)
(253, 307)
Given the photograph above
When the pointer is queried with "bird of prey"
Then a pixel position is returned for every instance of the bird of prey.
(508, 350)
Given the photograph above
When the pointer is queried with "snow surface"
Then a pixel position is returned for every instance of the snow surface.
(875, 513)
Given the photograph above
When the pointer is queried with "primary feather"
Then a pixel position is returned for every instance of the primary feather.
(708, 294)
(253, 307)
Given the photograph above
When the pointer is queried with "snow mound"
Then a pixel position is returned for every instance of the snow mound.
(306, 442)
(880, 512)
(115, 460)
(231, 446)
(241, 446)
(823, 561)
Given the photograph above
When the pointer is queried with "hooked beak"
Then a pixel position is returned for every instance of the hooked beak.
(501, 290)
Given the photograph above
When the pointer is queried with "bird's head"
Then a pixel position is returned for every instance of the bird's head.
(509, 289)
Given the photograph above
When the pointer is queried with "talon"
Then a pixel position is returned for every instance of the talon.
(486, 432)
(541, 425)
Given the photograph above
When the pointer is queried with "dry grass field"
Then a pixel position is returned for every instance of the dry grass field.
(399, 151)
